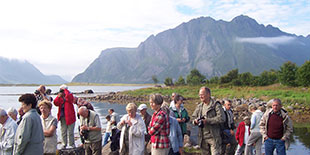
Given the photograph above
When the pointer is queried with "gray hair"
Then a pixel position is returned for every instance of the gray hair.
(12, 110)
(157, 99)
(208, 91)
(277, 100)
(131, 106)
(3, 112)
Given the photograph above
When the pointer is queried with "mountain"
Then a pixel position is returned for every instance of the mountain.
(22, 72)
(214, 47)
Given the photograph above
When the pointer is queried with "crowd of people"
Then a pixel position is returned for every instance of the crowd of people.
(138, 132)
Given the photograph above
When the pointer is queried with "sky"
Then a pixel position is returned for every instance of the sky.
(63, 37)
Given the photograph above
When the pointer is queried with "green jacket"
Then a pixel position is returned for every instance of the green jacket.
(214, 118)
(174, 113)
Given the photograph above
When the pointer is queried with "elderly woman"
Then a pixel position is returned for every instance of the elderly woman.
(12, 113)
(180, 113)
(133, 130)
(29, 134)
(159, 128)
(49, 124)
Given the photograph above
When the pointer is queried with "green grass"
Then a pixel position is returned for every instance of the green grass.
(288, 95)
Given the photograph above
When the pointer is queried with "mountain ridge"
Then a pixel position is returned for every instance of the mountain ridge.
(209, 45)
(14, 71)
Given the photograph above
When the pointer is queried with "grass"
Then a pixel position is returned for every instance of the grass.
(289, 95)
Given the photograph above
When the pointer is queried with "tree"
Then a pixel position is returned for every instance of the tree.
(168, 81)
(287, 74)
(180, 81)
(245, 79)
(231, 75)
(303, 74)
(195, 78)
(154, 78)
(267, 78)
(215, 80)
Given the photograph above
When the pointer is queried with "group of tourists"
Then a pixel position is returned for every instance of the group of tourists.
(138, 132)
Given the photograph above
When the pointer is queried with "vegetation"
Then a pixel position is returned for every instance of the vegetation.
(195, 78)
(168, 81)
(154, 78)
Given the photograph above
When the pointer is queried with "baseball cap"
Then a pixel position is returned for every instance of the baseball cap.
(142, 106)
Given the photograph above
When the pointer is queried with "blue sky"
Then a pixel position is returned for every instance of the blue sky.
(64, 37)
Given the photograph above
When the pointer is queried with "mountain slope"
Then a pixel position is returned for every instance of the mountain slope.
(18, 72)
(213, 47)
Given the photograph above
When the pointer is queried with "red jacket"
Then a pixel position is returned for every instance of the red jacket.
(240, 133)
(69, 108)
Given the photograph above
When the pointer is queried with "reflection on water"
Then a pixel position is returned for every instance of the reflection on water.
(300, 143)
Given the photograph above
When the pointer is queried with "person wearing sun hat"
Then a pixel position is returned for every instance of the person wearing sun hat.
(147, 119)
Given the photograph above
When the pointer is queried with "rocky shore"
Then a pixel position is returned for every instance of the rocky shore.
(298, 112)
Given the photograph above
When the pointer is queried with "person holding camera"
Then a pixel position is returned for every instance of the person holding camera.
(209, 116)
(90, 129)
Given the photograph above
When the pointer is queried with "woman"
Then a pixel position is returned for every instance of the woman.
(29, 134)
(159, 128)
(49, 124)
(180, 113)
(133, 130)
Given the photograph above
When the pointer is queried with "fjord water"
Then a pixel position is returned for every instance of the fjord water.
(9, 98)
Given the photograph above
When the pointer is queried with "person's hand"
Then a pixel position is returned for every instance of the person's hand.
(179, 119)
(122, 122)
(129, 123)
(84, 127)
(282, 139)
(183, 119)
(232, 132)
(265, 138)
(196, 121)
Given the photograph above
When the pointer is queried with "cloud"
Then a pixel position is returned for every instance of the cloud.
(72, 33)
(268, 41)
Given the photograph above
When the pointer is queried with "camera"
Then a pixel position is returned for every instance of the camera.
(200, 122)
(85, 134)
(37, 92)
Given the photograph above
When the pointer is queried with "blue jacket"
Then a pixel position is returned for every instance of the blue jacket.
(175, 136)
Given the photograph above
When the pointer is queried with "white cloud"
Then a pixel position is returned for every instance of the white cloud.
(64, 37)
(268, 41)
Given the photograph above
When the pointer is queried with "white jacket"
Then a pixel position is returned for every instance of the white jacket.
(136, 134)
(255, 120)
(7, 134)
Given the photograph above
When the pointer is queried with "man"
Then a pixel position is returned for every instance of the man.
(208, 115)
(229, 141)
(114, 119)
(147, 119)
(172, 104)
(21, 114)
(66, 115)
(276, 128)
(7, 133)
(41, 95)
(255, 137)
(12, 113)
(91, 130)
(29, 135)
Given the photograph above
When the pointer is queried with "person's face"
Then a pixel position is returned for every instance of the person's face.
(131, 113)
(83, 113)
(26, 107)
(45, 110)
(154, 106)
(143, 111)
(12, 115)
(172, 96)
(276, 106)
(2, 119)
(178, 104)
(227, 105)
(203, 95)
(110, 112)
(247, 121)
(20, 111)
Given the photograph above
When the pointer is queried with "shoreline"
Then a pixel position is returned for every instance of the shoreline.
(298, 113)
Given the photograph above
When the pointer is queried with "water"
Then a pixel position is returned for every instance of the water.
(9, 98)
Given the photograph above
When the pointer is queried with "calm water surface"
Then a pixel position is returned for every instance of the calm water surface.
(300, 144)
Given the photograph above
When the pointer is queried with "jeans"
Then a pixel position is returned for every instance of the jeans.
(278, 144)
(106, 138)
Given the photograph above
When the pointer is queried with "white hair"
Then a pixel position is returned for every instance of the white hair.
(2, 112)
(12, 110)
(63, 86)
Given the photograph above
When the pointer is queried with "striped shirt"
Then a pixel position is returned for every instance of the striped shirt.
(159, 129)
